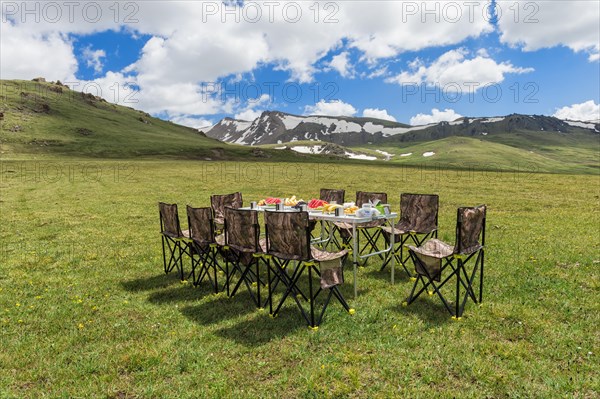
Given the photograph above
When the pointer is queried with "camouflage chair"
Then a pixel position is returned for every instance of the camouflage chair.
(244, 249)
(219, 203)
(204, 246)
(288, 240)
(369, 230)
(418, 221)
(174, 241)
(435, 256)
(330, 195)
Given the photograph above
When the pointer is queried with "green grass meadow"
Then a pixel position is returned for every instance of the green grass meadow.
(86, 310)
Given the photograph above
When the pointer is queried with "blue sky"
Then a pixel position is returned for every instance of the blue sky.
(193, 63)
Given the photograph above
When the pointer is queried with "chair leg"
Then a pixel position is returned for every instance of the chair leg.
(172, 247)
(411, 297)
(258, 298)
(427, 280)
(214, 267)
(465, 279)
(227, 275)
(244, 278)
(457, 313)
(311, 297)
(397, 252)
(162, 239)
(481, 278)
(269, 286)
(291, 286)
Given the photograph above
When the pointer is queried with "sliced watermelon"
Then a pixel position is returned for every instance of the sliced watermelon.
(272, 201)
(316, 203)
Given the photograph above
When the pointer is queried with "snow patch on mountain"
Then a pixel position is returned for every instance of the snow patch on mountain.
(364, 157)
(303, 149)
(585, 125)
(492, 120)
(387, 155)
(392, 131)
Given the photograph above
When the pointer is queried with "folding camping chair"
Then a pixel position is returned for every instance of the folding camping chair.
(330, 195)
(418, 221)
(369, 230)
(176, 240)
(203, 246)
(219, 203)
(288, 240)
(245, 249)
(435, 256)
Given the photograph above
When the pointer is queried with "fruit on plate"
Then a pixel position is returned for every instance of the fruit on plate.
(269, 201)
(316, 203)
(331, 207)
(351, 210)
(292, 201)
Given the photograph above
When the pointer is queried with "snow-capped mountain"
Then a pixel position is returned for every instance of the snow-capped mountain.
(273, 127)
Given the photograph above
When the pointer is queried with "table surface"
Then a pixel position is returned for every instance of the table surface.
(314, 214)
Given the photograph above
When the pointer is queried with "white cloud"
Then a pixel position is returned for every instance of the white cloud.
(93, 58)
(379, 72)
(191, 121)
(586, 111)
(330, 108)
(248, 114)
(453, 69)
(114, 87)
(435, 116)
(341, 63)
(378, 113)
(260, 101)
(179, 98)
(26, 55)
(543, 24)
(385, 29)
(189, 45)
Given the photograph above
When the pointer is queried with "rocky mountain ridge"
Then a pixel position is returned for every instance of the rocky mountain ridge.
(275, 127)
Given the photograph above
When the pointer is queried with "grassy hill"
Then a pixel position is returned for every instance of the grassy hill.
(531, 151)
(49, 119)
(523, 151)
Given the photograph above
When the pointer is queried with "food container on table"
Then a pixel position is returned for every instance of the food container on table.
(365, 211)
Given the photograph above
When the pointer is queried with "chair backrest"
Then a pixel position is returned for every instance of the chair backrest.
(220, 202)
(242, 231)
(470, 226)
(363, 197)
(288, 235)
(169, 219)
(330, 195)
(200, 222)
(419, 211)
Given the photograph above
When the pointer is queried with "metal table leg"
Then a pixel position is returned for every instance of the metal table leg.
(393, 236)
(355, 257)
